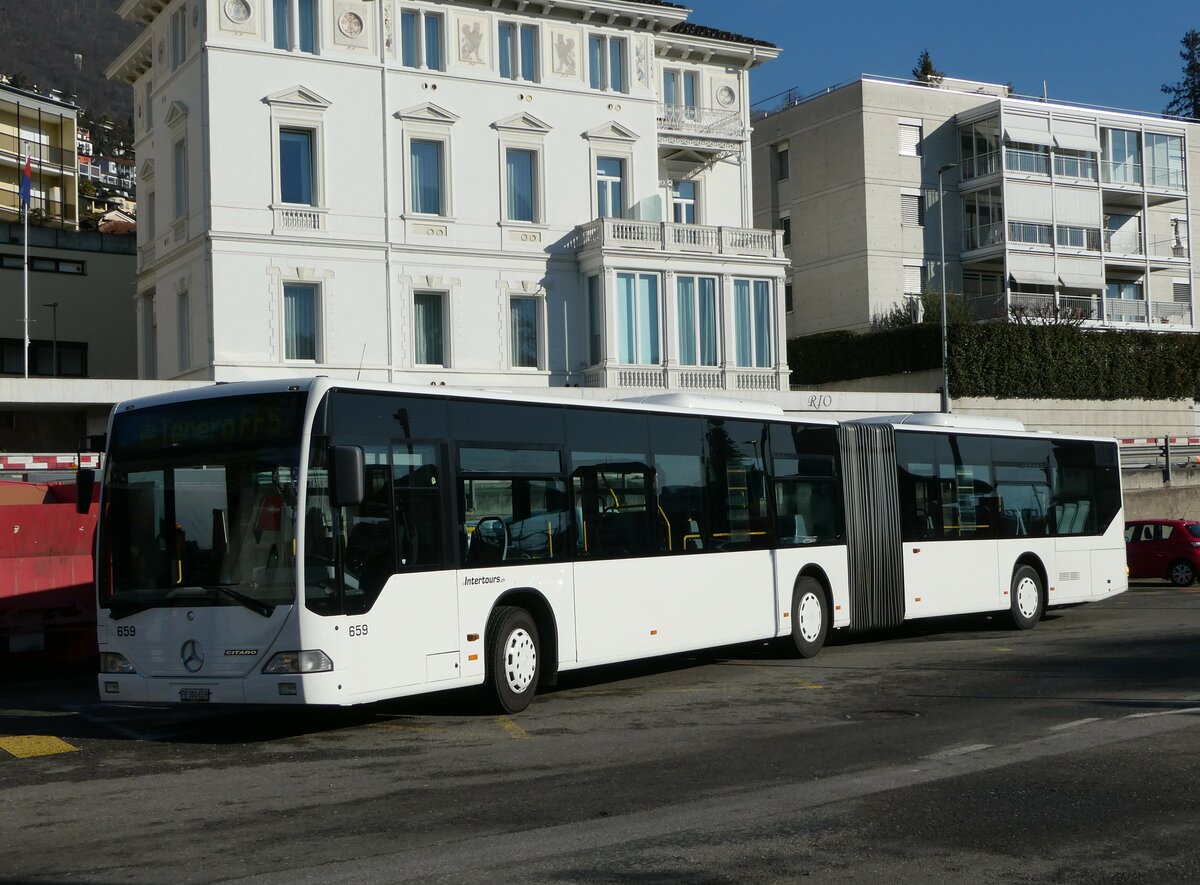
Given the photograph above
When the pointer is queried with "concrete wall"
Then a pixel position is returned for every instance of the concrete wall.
(1147, 497)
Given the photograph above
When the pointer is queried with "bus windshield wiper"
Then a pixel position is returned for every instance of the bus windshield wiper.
(255, 605)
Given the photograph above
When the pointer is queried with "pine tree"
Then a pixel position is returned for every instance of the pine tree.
(925, 71)
(1185, 95)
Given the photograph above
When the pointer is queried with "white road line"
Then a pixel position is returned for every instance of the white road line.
(1065, 725)
(958, 751)
(1162, 713)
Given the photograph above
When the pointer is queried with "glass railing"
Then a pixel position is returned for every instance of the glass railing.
(983, 236)
(1166, 177)
(1074, 167)
(1120, 172)
(980, 165)
(1031, 162)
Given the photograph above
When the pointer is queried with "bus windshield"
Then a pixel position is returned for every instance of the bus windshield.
(199, 506)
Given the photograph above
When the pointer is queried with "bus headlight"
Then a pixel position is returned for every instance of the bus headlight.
(311, 661)
(111, 662)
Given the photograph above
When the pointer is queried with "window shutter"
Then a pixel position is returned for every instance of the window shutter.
(912, 279)
(910, 209)
(910, 139)
(1183, 291)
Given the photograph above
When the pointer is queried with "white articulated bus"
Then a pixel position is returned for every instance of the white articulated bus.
(326, 542)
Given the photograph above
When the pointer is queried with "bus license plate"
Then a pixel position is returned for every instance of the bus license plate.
(195, 695)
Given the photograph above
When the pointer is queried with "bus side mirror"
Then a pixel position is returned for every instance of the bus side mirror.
(347, 476)
(85, 484)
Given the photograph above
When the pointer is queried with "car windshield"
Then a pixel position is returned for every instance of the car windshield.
(201, 516)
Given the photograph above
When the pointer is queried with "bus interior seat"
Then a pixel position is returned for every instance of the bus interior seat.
(1081, 515)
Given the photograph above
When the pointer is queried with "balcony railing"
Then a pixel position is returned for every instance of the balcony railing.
(669, 237)
(1085, 238)
(1123, 242)
(983, 236)
(1170, 247)
(41, 153)
(1033, 162)
(700, 121)
(1084, 308)
(1166, 177)
(1120, 173)
(1031, 233)
(1068, 166)
(980, 165)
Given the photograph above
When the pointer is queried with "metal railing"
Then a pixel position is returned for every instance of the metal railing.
(1172, 313)
(983, 236)
(1123, 242)
(1170, 247)
(1086, 238)
(1069, 166)
(1123, 310)
(1083, 307)
(45, 154)
(1168, 177)
(1031, 233)
(1120, 173)
(700, 121)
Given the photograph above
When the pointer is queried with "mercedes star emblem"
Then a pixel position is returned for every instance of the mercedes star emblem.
(192, 655)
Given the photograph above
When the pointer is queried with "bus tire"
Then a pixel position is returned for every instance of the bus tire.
(513, 661)
(1028, 598)
(810, 616)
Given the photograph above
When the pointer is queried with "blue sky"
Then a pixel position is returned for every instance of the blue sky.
(1099, 52)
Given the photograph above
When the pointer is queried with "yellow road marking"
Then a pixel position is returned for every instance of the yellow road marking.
(804, 683)
(26, 746)
(515, 731)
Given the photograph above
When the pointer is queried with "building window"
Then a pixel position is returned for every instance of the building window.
(300, 321)
(521, 167)
(637, 318)
(44, 265)
(1164, 161)
(610, 187)
(149, 337)
(595, 321)
(781, 165)
(912, 279)
(429, 328)
(912, 212)
(1122, 162)
(696, 303)
(606, 62)
(752, 322)
(518, 52)
(183, 332)
(979, 147)
(428, 177)
(683, 202)
(295, 25)
(787, 297)
(72, 358)
(680, 88)
(910, 139)
(296, 166)
(522, 321)
(180, 157)
(178, 37)
(785, 226)
(149, 105)
(421, 39)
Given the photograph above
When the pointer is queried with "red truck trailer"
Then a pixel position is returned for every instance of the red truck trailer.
(47, 604)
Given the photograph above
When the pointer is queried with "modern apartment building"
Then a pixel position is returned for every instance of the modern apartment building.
(1050, 209)
(473, 192)
(41, 130)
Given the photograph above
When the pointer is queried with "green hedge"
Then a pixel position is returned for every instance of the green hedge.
(1011, 360)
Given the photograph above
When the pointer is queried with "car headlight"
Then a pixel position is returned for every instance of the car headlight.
(111, 662)
(309, 661)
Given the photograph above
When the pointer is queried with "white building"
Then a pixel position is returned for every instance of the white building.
(1050, 208)
(471, 192)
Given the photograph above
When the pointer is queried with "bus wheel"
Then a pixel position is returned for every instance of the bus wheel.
(1027, 599)
(810, 616)
(512, 658)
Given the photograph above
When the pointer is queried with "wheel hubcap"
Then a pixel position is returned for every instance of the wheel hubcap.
(1027, 597)
(1182, 574)
(520, 660)
(808, 617)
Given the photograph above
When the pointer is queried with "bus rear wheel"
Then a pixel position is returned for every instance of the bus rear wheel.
(1028, 600)
(513, 665)
(810, 617)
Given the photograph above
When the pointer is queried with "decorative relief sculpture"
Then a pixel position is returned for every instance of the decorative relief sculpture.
(564, 55)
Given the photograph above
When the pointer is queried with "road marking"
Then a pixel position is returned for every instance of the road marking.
(1162, 713)
(27, 746)
(1065, 725)
(515, 731)
(804, 683)
(959, 751)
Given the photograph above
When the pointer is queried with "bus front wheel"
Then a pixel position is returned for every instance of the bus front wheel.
(513, 665)
(810, 616)
(1027, 598)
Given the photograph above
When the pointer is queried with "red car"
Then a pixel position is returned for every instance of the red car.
(1163, 548)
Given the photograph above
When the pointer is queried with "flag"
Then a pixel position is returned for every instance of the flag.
(27, 181)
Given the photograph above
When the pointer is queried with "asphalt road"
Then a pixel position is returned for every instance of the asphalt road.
(949, 751)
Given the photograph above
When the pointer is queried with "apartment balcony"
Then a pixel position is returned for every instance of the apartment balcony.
(690, 379)
(13, 148)
(663, 236)
(1090, 309)
(700, 122)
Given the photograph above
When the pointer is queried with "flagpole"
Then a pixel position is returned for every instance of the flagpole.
(26, 238)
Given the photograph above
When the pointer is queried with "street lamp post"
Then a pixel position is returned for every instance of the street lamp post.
(942, 235)
(53, 305)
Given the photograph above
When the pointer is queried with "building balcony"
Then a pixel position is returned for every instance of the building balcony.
(701, 122)
(692, 379)
(1090, 309)
(663, 236)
